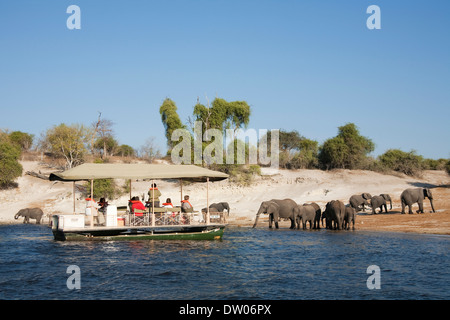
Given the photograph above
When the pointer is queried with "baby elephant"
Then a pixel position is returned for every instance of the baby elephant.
(349, 217)
(30, 213)
(307, 213)
(380, 202)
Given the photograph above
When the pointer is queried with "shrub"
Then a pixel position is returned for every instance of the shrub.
(10, 168)
(447, 167)
(348, 150)
(408, 163)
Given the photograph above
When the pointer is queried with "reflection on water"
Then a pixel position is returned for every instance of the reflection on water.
(246, 264)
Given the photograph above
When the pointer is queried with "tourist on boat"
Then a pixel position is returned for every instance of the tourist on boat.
(154, 195)
(103, 204)
(186, 206)
(136, 204)
(168, 203)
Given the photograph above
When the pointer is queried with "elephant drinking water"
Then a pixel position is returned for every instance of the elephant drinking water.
(30, 213)
(277, 209)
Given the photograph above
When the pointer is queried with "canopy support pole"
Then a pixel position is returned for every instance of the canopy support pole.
(92, 198)
(153, 204)
(208, 220)
(181, 189)
(130, 189)
(74, 197)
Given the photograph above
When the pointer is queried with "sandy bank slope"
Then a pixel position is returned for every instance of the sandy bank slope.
(301, 186)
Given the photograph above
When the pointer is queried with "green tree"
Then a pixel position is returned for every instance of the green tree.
(408, 163)
(223, 115)
(10, 168)
(170, 120)
(67, 142)
(106, 146)
(348, 150)
(22, 139)
(125, 150)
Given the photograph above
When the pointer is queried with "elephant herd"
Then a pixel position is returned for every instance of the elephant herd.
(336, 214)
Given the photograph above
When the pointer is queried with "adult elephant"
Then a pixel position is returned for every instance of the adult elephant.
(218, 207)
(306, 213)
(349, 218)
(415, 195)
(380, 202)
(30, 213)
(334, 214)
(276, 209)
(357, 200)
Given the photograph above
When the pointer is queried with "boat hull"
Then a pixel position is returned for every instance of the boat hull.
(205, 232)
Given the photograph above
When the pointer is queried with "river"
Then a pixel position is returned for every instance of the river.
(247, 264)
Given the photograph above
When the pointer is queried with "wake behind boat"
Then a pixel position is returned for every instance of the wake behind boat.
(154, 223)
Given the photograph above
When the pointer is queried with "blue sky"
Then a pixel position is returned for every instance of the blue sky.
(309, 66)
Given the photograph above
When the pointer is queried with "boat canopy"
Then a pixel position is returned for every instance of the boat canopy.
(92, 171)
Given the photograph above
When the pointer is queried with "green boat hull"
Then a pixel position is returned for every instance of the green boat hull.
(207, 234)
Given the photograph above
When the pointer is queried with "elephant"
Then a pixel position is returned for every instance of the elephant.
(413, 195)
(306, 213)
(380, 202)
(30, 213)
(218, 207)
(357, 200)
(276, 209)
(318, 214)
(349, 217)
(334, 214)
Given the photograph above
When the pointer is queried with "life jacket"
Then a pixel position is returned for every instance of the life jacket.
(187, 201)
(168, 204)
(136, 204)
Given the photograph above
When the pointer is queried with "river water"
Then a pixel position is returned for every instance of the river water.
(247, 264)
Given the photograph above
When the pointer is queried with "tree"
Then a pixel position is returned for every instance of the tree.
(149, 151)
(223, 115)
(106, 146)
(10, 168)
(125, 150)
(408, 163)
(105, 140)
(348, 150)
(170, 120)
(67, 142)
(22, 139)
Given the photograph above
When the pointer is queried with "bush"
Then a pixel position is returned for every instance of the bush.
(408, 163)
(447, 167)
(22, 139)
(348, 150)
(103, 188)
(432, 164)
(10, 168)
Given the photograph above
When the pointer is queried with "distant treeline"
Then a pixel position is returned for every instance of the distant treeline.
(74, 144)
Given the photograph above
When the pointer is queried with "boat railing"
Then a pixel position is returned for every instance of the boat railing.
(171, 218)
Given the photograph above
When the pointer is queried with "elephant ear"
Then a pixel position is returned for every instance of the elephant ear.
(427, 193)
(366, 196)
(386, 196)
(273, 206)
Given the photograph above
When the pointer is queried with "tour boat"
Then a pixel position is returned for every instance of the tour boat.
(155, 223)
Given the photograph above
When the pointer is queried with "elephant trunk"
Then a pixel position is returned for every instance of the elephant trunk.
(16, 216)
(256, 220)
(390, 200)
(432, 206)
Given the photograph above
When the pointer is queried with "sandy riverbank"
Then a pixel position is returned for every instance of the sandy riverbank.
(300, 185)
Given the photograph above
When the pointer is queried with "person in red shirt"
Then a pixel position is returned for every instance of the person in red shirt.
(136, 204)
